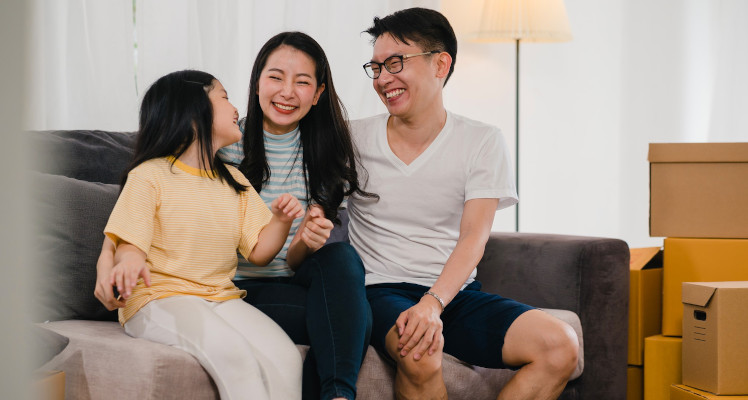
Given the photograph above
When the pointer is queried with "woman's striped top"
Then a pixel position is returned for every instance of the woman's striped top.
(284, 157)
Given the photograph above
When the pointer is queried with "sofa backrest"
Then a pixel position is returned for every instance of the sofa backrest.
(92, 156)
(75, 179)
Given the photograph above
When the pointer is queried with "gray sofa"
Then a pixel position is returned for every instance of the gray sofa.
(582, 280)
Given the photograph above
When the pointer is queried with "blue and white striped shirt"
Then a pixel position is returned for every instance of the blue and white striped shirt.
(285, 159)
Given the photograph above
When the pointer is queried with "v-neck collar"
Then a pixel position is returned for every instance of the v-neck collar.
(422, 158)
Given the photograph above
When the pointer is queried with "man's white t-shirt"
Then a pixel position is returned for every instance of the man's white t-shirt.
(408, 234)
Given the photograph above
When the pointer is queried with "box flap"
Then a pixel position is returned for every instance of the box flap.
(696, 294)
(683, 392)
(698, 152)
(725, 284)
(641, 257)
(675, 389)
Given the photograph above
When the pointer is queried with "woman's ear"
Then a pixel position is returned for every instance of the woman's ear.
(318, 93)
(443, 64)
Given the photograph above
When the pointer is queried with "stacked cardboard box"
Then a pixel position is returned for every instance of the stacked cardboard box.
(662, 366)
(698, 190)
(715, 342)
(699, 202)
(698, 260)
(645, 312)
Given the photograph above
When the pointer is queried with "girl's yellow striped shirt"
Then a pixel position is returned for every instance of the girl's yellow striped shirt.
(190, 225)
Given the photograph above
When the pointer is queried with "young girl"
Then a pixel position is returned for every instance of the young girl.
(296, 139)
(180, 218)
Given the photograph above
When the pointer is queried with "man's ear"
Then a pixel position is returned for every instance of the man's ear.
(443, 64)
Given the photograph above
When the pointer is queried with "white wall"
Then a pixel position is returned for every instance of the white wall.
(680, 83)
(636, 72)
(569, 119)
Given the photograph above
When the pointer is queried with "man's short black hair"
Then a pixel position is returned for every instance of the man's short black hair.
(427, 28)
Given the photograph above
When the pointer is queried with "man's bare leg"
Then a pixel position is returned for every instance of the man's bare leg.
(548, 349)
(420, 379)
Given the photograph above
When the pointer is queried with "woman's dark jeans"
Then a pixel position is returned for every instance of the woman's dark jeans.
(324, 306)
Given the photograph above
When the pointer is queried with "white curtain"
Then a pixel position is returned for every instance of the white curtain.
(729, 119)
(713, 61)
(81, 65)
(82, 57)
(223, 38)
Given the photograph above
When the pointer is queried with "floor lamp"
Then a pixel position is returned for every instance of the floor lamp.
(526, 21)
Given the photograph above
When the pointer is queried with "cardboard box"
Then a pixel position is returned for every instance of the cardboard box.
(697, 260)
(49, 385)
(662, 366)
(635, 386)
(698, 190)
(645, 299)
(683, 392)
(715, 336)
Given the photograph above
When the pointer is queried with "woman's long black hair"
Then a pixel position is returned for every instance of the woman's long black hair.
(175, 112)
(329, 160)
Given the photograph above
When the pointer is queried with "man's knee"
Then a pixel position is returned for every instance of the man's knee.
(417, 372)
(544, 341)
(562, 350)
(420, 372)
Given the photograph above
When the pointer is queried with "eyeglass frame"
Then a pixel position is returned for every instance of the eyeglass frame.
(383, 65)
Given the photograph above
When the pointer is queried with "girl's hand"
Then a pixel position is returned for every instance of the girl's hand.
(286, 208)
(130, 265)
(315, 229)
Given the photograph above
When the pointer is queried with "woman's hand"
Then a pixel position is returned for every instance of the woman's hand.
(104, 267)
(315, 229)
(312, 234)
(286, 208)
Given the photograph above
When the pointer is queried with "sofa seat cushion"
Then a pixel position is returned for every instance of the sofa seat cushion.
(377, 377)
(102, 359)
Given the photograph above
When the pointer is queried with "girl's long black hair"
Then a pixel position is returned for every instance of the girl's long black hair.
(329, 160)
(175, 112)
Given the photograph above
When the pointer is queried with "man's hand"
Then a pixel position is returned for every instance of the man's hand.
(420, 328)
(286, 208)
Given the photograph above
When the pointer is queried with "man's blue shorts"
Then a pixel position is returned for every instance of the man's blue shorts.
(475, 322)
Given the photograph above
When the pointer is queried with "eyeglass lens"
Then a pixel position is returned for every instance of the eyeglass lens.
(393, 65)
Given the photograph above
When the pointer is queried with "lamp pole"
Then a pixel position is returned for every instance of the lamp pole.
(514, 20)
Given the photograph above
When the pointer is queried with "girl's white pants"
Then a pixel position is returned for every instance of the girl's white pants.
(244, 351)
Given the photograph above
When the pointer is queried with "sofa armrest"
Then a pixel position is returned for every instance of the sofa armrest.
(589, 276)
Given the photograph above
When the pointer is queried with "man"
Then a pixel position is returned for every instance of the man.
(440, 178)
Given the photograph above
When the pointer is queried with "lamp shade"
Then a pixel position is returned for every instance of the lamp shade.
(525, 20)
